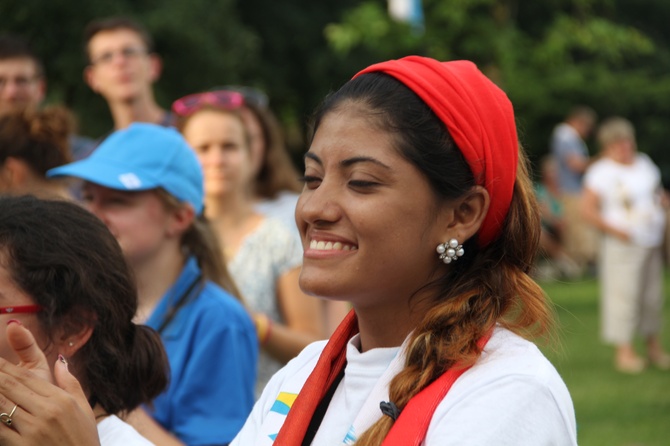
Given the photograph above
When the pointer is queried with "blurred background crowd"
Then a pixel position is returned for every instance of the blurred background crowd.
(548, 56)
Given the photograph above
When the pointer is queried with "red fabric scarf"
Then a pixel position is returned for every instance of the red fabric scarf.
(479, 117)
(327, 368)
(411, 426)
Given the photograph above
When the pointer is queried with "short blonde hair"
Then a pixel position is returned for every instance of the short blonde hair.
(615, 129)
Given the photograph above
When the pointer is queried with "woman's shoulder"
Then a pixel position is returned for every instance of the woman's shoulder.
(306, 359)
(508, 353)
(515, 390)
(115, 432)
(290, 378)
(214, 302)
(646, 161)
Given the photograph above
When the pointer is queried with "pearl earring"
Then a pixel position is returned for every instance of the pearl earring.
(70, 343)
(450, 251)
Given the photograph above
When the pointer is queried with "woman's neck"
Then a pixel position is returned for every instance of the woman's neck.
(100, 413)
(388, 322)
(142, 109)
(232, 207)
(44, 188)
(154, 278)
(383, 329)
(232, 218)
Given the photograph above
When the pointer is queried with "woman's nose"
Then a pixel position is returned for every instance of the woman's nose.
(319, 205)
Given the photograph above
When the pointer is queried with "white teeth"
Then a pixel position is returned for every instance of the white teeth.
(330, 246)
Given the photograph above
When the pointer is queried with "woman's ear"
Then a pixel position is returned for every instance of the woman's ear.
(467, 214)
(156, 67)
(74, 336)
(181, 220)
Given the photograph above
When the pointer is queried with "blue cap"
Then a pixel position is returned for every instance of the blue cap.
(143, 157)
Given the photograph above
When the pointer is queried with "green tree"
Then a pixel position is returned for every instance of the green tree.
(202, 44)
(547, 56)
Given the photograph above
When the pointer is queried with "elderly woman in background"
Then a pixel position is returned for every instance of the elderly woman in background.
(623, 199)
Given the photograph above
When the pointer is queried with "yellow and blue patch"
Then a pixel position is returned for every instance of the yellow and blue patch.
(282, 405)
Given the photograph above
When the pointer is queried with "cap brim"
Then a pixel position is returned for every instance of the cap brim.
(104, 173)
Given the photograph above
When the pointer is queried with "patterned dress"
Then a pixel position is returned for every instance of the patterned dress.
(264, 256)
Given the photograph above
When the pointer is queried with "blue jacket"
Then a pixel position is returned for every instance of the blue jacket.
(212, 348)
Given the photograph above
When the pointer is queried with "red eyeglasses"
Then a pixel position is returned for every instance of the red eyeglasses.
(27, 309)
(229, 100)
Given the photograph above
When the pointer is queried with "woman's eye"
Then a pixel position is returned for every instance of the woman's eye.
(362, 184)
(310, 181)
(117, 200)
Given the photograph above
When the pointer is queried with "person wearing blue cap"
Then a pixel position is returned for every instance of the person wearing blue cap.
(146, 185)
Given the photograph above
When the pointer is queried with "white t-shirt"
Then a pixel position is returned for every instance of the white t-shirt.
(115, 432)
(630, 197)
(511, 396)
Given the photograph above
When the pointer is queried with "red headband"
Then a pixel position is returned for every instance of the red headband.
(480, 119)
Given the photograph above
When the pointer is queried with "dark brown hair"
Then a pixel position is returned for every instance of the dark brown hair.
(582, 112)
(38, 137)
(277, 172)
(114, 24)
(69, 263)
(201, 241)
(15, 47)
(488, 285)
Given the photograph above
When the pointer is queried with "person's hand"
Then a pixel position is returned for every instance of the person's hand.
(31, 357)
(45, 413)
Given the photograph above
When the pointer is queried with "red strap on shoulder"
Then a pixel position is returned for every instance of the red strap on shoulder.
(412, 425)
(327, 368)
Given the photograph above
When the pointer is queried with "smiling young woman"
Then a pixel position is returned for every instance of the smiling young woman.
(418, 210)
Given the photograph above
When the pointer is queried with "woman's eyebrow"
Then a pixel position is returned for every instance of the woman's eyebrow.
(349, 161)
(362, 159)
(313, 157)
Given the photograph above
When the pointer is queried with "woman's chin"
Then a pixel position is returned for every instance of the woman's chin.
(324, 289)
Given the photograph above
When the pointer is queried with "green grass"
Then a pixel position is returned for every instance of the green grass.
(612, 408)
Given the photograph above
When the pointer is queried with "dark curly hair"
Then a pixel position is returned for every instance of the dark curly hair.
(70, 264)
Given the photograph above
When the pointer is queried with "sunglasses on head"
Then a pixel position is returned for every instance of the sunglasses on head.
(252, 95)
(229, 100)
